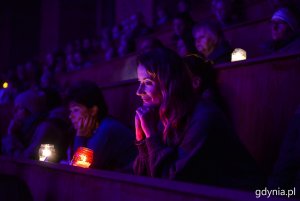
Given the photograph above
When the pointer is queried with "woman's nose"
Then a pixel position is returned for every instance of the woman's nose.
(140, 91)
(70, 115)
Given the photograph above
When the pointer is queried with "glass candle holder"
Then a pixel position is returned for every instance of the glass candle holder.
(83, 157)
(46, 152)
(238, 54)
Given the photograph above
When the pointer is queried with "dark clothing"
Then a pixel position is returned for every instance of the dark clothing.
(34, 132)
(13, 188)
(221, 53)
(209, 153)
(286, 173)
(113, 145)
(290, 45)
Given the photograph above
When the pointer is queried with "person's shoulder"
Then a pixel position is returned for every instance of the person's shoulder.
(111, 123)
(206, 109)
(110, 126)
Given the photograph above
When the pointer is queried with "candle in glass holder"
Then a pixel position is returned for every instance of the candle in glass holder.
(83, 157)
(46, 152)
(238, 54)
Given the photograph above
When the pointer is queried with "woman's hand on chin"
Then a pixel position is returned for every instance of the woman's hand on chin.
(86, 126)
(149, 118)
(139, 133)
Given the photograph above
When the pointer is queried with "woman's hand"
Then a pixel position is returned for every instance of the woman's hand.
(139, 133)
(148, 117)
(86, 126)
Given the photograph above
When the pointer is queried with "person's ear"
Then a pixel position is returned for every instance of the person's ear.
(94, 111)
(196, 82)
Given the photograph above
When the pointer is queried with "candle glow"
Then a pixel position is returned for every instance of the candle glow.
(46, 152)
(83, 157)
(238, 54)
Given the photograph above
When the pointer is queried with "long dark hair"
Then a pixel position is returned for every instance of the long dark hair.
(169, 70)
(208, 75)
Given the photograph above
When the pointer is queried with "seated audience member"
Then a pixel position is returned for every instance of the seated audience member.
(290, 4)
(182, 28)
(285, 32)
(162, 16)
(181, 136)
(144, 44)
(286, 172)
(210, 41)
(227, 12)
(204, 80)
(184, 9)
(149, 43)
(138, 26)
(29, 128)
(111, 141)
(185, 47)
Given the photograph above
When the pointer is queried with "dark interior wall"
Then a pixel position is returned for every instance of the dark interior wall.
(124, 9)
(5, 18)
(20, 32)
(107, 14)
(77, 19)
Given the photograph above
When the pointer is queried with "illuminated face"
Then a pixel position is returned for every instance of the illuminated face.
(205, 41)
(149, 89)
(280, 30)
(77, 112)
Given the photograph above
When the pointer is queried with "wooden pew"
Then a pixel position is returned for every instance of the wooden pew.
(263, 95)
(250, 36)
(57, 182)
(104, 72)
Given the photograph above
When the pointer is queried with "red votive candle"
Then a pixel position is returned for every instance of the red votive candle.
(83, 157)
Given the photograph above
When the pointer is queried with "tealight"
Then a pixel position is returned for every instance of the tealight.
(46, 152)
(83, 157)
(238, 54)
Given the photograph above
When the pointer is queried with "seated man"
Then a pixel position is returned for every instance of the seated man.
(31, 127)
(111, 141)
(285, 32)
(210, 42)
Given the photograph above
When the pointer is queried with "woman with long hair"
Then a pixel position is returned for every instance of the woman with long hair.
(181, 136)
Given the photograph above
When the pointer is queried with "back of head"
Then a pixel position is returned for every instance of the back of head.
(33, 101)
(203, 69)
(149, 43)
(88, 94)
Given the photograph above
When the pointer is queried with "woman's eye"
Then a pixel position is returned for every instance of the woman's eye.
(148, 83)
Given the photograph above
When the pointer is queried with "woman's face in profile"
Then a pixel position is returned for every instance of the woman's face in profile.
(77, 113)
(149, 89)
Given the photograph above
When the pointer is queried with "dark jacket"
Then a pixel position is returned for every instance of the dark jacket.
(286, 173)
(113, 146)
(209, 153)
